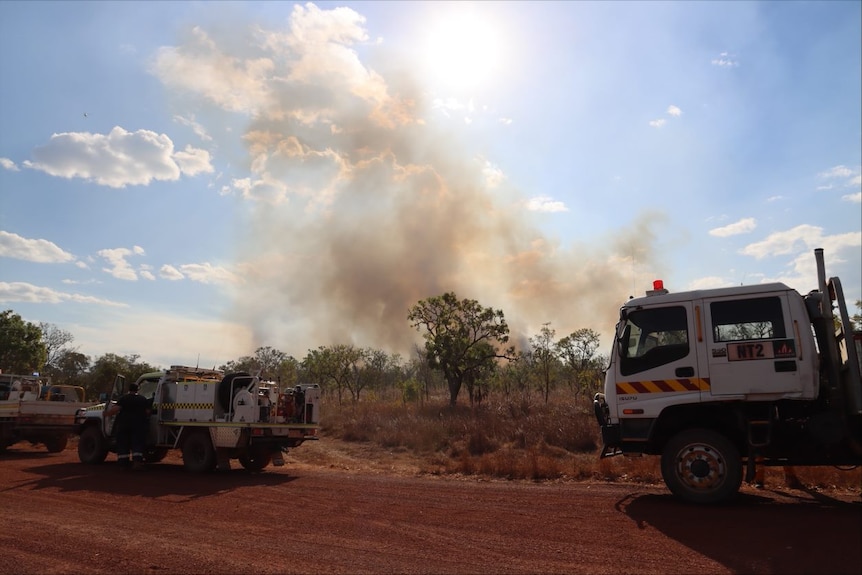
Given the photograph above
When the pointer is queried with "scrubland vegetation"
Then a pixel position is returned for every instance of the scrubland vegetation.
(515, 439)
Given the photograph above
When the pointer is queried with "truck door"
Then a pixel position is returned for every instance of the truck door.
(657, 360)
(752, 348)
(117, 390)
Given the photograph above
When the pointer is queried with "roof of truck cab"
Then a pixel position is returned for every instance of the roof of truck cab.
(682, 296)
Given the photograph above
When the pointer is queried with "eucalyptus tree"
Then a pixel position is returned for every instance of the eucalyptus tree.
(462, 339)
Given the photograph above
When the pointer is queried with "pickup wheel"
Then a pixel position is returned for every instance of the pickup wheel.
(256, 458)
(701, 466)
(92, 447)
(56, 443)
(199, 455)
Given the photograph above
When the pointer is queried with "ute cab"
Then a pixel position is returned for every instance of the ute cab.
(712, 379)
(730, 344)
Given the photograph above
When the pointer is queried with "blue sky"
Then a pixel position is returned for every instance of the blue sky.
(189, 181)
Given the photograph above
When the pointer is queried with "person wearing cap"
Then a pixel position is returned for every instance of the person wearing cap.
(132, 420)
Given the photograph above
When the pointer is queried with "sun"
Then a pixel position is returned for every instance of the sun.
(462, 49)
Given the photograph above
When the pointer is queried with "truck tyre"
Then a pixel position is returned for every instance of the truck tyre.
(56, 443)
(701, 466)
(199, 455)
(92, 447)
(256, 458)
(224, 388)
(155, 454)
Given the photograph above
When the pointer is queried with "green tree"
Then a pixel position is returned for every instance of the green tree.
(22, 350)
(856, 320)
(462, 339)
(55, 340)
(106, 368)
(70, 368)
(577, 350)
(320, 366)
(543, 352)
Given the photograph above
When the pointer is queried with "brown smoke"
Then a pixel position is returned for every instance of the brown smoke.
(385, 208)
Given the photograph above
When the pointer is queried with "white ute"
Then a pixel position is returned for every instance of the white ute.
(718, 381)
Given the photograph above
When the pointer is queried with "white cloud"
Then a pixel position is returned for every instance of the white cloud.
(844, 176)
(120, 268)
(29, 293)
(790, 241)
(546, 204)
(853, 198)
(657, 123)
(674, 111)
(771, 199)
(743, 226)
(725, 60)
(208, 274)
(117, 159)
(266, 189)
(193, 161)
(190, 122)
(169, 272)
(837, 172)
(8, 164)
(41, 251)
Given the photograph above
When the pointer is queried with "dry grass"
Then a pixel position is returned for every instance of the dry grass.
(507, 439)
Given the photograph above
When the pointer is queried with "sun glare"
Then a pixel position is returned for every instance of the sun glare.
(462, 50)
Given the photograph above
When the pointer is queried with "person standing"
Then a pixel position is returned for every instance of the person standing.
(131, 424)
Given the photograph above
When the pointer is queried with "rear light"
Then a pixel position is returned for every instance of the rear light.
(633, 411)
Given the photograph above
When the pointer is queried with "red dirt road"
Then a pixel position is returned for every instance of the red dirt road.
(59, 516)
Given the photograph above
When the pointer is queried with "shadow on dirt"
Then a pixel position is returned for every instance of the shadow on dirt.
(157, 480)
(780, 532)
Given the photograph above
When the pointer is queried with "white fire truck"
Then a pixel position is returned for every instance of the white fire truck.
(718, 381)
(34, 410)
(212, 417)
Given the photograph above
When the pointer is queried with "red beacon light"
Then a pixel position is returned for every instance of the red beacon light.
(657, 288)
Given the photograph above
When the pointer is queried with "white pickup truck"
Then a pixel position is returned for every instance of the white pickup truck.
(31, 409)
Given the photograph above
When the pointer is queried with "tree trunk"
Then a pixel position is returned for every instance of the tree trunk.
(454, 389)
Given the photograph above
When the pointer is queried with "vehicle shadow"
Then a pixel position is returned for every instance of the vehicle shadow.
(162, 480)
(777, 532)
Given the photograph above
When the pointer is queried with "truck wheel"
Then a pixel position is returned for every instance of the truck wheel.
(256, 458)
(92, 447)
(155, 454)
(224, 388)
(199, 454)
(56, 443)
(701, 466)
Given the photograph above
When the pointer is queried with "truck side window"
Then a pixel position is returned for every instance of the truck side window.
(746, 319)
(654, 337)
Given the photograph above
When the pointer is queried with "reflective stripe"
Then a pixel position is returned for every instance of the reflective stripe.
(187, 406)
(663, 386)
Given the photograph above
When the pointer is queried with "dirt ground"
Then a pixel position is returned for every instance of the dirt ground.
(336, 508)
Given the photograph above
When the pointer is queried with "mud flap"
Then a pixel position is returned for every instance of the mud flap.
(277, 458)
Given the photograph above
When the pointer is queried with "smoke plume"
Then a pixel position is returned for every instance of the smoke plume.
(362, 202)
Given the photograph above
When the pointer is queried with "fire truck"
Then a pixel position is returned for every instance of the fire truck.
(211, 417)
(718, 381)
(34, 410)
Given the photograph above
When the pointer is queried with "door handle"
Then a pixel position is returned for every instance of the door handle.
(685, 372)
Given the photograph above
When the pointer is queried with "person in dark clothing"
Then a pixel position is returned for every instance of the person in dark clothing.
(132, 421)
